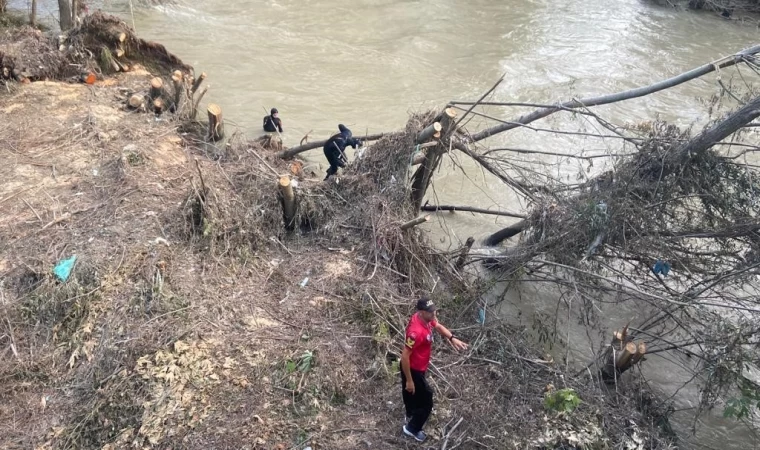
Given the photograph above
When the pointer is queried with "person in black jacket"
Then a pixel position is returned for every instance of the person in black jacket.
(335, 149)
(272, 122)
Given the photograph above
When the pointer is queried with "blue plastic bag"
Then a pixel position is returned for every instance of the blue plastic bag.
(661, 267)
(63, 269)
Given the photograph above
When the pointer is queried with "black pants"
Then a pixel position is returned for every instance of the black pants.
(335, 159)
(335, 162)
(418, 405)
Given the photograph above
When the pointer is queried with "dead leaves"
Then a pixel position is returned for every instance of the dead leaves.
(178, 382)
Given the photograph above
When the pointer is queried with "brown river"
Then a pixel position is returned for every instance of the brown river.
(369, 63)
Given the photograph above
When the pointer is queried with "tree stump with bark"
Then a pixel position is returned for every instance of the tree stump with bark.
(215, 122)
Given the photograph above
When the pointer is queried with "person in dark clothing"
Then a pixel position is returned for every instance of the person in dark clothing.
(335, 149)
(272, 122)
(415, 391)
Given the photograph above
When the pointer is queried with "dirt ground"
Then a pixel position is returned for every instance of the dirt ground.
(181, 331)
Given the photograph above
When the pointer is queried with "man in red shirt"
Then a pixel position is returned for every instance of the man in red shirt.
(417, 395)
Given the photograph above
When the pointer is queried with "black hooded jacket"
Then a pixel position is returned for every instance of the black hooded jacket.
(335, 146)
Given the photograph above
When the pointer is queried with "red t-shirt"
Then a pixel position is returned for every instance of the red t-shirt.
(419, 339)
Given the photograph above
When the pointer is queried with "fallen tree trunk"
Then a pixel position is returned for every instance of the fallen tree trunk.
(436, 208)
(506, 233)
(291, 152)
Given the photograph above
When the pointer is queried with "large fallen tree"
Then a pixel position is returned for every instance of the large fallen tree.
(670, 224)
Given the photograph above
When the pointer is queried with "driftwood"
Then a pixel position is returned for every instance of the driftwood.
(506, 233)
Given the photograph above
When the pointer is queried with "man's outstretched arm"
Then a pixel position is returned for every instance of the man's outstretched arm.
(456, 343)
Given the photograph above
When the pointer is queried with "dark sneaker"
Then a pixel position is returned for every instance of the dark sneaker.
(420, 436)
(407, 419)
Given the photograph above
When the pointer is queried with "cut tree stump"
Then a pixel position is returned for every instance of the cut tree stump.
(136, 101)
(288, 201)
(429, 132)
(464, 252)
(156, 88)
(197, 83)
(159, 106)
(177, 81)
(215, 122)
(620, 355)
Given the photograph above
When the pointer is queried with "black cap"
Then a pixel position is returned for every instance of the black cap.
(273, 111)
(425, 304)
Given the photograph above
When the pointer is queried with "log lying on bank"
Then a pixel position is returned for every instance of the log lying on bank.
(288, 200)
(215, 122)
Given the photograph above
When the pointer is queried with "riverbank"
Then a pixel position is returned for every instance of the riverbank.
(194, 318)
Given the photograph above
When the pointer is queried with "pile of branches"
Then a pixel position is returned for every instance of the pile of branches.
(673, 227)
(236, 205)
(102, 44)
(656, 205)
